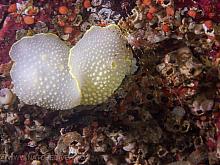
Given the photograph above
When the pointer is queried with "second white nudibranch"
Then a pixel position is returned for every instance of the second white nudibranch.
(100, 61)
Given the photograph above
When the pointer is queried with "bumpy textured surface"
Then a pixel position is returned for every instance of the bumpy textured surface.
(40, 74)
(100, 61)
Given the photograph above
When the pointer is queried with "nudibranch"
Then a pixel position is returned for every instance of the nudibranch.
(40, 73)
(100, 61)
(47, 73)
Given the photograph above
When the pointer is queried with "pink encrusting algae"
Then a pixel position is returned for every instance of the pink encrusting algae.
(166, 112)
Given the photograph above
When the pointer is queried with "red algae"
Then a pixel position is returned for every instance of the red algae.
(167, 112)
(7, 38)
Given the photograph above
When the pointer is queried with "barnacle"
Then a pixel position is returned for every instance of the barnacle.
(97, 65)
(6, 96)
(100, 61)
(40, 73)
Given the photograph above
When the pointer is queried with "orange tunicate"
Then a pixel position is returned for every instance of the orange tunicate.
(160, 1)
(68, 29)
(149, 16)
(63, 10)
(29, 20)
(192, 13)
(165, 27)
(208, 24)
(32, 11)
(87, 4)
(170, 11)
(152, 10)
(12, 8)
(102, 23)
(61, 23)
(147, 2)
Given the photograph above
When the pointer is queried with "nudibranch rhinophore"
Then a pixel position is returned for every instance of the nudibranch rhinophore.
(42, 74)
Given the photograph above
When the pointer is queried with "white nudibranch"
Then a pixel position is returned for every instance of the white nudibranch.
(40, 73)
(97, 65)
(100, 61)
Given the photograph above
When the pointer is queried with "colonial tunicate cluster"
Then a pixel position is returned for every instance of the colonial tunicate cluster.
(97, 65)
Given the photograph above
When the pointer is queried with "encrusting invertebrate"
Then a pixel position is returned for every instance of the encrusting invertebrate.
(97, 65)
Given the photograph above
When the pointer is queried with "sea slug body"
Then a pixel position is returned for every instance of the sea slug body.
(40, 73)
(100, 61)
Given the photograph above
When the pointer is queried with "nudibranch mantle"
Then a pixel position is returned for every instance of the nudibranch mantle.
(100, 61)
(40, 73)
